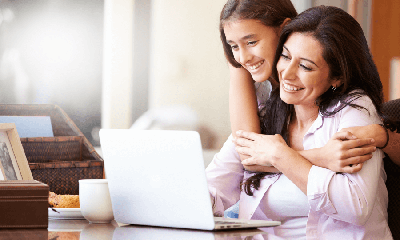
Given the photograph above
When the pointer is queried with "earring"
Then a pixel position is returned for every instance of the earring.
(333, 88)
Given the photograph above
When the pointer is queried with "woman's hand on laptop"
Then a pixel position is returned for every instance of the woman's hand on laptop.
(216, 213)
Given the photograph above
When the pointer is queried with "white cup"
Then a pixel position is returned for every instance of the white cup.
(95, 200)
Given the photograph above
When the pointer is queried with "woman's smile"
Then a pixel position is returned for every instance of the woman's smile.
(303, 72)
(291, 88)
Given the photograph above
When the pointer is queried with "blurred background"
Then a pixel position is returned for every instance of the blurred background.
(146, 64)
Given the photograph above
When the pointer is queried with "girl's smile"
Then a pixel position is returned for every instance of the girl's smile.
(253, 46)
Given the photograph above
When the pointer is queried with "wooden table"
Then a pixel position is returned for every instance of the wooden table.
(81, 229)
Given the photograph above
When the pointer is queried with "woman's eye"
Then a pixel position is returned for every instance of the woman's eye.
(234, 47)
(305, 67)
(286, 57)
(251, 43)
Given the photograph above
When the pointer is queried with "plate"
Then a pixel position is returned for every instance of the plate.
(65, 213)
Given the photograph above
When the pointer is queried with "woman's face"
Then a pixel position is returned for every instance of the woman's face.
(253, 46)
(303, 72)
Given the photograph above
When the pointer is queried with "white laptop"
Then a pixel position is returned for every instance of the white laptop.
(157, 178)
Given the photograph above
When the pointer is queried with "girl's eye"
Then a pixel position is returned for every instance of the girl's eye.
(234, 47)
(251, 42)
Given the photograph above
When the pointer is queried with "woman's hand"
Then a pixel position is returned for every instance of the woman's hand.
(344, 152)
(262, 150)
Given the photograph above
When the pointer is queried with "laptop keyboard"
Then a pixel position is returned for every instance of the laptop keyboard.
(226, 222)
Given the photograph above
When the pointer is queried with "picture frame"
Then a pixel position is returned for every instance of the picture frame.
(13, 162)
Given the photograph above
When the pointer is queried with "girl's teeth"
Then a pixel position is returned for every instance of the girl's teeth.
(256, 65)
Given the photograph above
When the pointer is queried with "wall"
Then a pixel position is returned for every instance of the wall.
(117, 64)
(187, 62)
(385, 40)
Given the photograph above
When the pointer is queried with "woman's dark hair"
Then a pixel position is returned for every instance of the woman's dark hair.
(271, 13)
(346, 52)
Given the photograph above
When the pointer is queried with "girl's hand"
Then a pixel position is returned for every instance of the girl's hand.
(344, 152)
(375, 131)
(261, 149)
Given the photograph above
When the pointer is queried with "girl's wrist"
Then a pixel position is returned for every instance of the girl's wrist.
(387, 136)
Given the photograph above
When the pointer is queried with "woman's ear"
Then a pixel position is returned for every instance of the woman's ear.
(337, 83)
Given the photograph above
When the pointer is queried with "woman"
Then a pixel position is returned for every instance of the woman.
(327, 81)
(243, 103)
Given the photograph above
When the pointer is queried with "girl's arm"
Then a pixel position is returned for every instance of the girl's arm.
(243, 108)
(344, 152)
(378, 133)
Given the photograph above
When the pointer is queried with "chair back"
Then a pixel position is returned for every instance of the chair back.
(392, 109)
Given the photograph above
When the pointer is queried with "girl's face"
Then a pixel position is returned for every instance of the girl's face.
(253, 46)
(303, 72)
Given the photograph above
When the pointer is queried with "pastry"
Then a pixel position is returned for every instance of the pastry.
(63, 201)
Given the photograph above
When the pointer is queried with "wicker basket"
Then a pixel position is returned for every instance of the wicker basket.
(59, 161)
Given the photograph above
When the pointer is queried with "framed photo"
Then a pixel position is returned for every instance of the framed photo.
(13, 162)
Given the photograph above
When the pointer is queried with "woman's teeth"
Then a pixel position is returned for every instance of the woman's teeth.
(291, 88)
(255, 66)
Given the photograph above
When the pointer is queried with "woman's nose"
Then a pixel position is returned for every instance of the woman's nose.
(290, 71)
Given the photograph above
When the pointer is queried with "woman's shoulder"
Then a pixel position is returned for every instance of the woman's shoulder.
(358, 110)
(356, 100)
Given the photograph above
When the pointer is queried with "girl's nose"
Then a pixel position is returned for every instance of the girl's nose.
(244, 56)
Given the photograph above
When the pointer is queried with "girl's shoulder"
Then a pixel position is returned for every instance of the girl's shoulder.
(263, 91)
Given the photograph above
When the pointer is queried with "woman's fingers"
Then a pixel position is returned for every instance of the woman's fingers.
(255, 161)
(244, 151)
(242, 142)
(250, 161)
(248, 135)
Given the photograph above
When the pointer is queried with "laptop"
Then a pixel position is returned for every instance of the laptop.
(157, 178)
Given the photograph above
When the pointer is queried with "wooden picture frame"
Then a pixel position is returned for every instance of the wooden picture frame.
(13, 162)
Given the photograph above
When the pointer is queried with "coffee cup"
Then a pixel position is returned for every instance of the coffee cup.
(95, 200)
